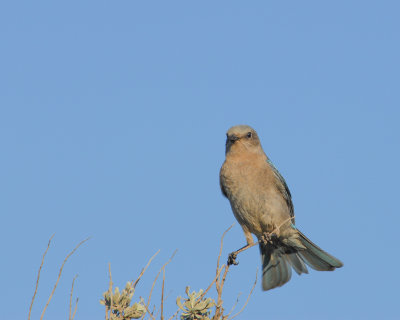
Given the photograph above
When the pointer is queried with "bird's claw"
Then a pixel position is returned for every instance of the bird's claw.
(269, 238)
(232, 259)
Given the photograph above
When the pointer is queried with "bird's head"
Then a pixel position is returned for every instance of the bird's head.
(242, 139)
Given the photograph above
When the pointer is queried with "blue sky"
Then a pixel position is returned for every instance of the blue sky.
(112, 125)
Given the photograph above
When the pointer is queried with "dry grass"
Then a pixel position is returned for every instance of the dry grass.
(119, 306)
(71, 317)
(195, 306)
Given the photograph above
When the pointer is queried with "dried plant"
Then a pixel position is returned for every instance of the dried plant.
(195, 306)
(118, 304)
(71, 316)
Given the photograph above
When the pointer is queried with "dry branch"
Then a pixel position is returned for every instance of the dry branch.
(59, 276)
(70, 301)
(195, 306)
(162, 295)
(110, 286)
(145, 268)
(247, 300)
(155, 280)
(38, 276)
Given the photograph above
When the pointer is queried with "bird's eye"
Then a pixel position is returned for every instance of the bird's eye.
(249, 135)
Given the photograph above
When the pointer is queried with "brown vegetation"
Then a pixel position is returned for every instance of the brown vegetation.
(118, 304)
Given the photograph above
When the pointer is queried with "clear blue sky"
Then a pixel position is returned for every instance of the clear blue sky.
(112, 125)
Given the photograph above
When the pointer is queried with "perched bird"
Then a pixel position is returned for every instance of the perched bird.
(262, 204)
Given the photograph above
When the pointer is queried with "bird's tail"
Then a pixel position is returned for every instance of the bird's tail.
(278, 261)
(317, 258)
(277, 266)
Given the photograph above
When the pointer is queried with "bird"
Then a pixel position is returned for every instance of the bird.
(262, 204)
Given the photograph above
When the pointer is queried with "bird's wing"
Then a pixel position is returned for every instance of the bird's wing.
(283, 188)
(221, 184)
(223, 188)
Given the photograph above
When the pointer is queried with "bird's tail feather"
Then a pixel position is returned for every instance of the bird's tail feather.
(277, 263)
(297, 263)
(276, 269)
(317, 258)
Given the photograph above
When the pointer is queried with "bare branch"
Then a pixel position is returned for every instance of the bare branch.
(154, 310)
(234, 306)
(174, 315)
(70, 298)
(248, 298)
(167, 296)
(220, 281)
(155, 280)
(59, 276)
(38, 277)
(246, 247)
(151, 291)
(149, 313)
(144, 269)
(211, 284)
(110, 286)
(162, 296)
(220, 286)
(221, 246)
(279, 227)
(76, 307)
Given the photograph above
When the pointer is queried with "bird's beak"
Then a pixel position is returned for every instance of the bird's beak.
(232, 138)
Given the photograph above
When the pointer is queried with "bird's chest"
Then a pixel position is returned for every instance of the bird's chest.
(246, 186)
(242, 181)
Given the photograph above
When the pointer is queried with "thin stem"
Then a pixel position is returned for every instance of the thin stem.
(38, 277)
(70, 298)
(59, 276)
(162, 295)
(144, 269)
(248, 298)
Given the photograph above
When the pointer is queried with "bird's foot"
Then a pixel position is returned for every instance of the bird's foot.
(269, 238)
(232, 259)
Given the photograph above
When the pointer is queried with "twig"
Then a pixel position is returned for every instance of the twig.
(154, 310)
(232, 256)
(162, 296)
(76, 306)
(144, 269)
(219, 283)
(151, 291)
(59, 276)
(155, 280)
(211, 284)
(248, 298)
(149, 313)
(167, 296)
(38, 277)
(279, 227)
(110, 286)
(248, 246)
(174, 315)
(221, 245)
(70, 298)
(158, 311)
(106, 317)
(106, 308)
(234, 306)
(165, 299)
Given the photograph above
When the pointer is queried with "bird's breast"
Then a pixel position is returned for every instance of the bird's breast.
(248, 188)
